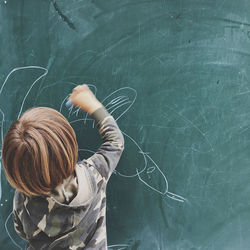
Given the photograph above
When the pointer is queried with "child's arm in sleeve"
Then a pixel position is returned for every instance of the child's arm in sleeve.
(107, 157)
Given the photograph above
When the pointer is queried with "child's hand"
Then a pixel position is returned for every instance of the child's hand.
(84, 98)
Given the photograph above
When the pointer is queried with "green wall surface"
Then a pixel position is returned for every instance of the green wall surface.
(175, 75)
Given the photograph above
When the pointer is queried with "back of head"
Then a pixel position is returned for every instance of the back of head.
(39, 151)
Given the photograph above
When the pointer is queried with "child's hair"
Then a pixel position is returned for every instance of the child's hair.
(39, 151)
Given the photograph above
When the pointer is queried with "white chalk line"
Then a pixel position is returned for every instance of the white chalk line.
(5, 225)
(2, 127)
(114, 104)
(193, 125)
(127, 88)
(116, 101)
(122, 246)
(5, 81)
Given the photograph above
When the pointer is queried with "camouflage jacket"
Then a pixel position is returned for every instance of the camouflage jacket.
(73, 216)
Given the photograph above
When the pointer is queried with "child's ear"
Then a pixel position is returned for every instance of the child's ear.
(119, 102)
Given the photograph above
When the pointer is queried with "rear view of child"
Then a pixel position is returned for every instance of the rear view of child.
(60, 203)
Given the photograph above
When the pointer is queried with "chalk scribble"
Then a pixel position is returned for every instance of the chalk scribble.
(117, 103)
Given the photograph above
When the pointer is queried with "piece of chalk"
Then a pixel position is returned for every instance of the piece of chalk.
(69, 104)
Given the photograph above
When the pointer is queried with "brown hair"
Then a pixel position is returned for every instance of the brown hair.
(39, 151)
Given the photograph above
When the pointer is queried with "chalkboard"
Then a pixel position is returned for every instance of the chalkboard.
(175, 75)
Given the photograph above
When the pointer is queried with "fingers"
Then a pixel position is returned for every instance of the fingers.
(78, 89)
(75, 92)
(81, 87)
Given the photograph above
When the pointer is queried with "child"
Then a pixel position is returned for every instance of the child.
(59, 203)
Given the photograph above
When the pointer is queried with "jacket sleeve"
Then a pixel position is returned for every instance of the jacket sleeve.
(108, 155)
(18, 225)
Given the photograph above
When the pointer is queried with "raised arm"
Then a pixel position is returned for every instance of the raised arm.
(107, 157)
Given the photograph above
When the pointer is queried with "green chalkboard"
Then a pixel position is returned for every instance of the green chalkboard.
(175, 75)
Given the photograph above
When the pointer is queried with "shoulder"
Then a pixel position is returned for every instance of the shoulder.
(92, 171)
(18, 201)
(96, 178)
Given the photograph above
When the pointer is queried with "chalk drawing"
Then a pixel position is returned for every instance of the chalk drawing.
(117, 103)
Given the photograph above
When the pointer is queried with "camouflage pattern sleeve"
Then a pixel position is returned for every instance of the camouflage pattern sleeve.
(18, 225)
(108, 155)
